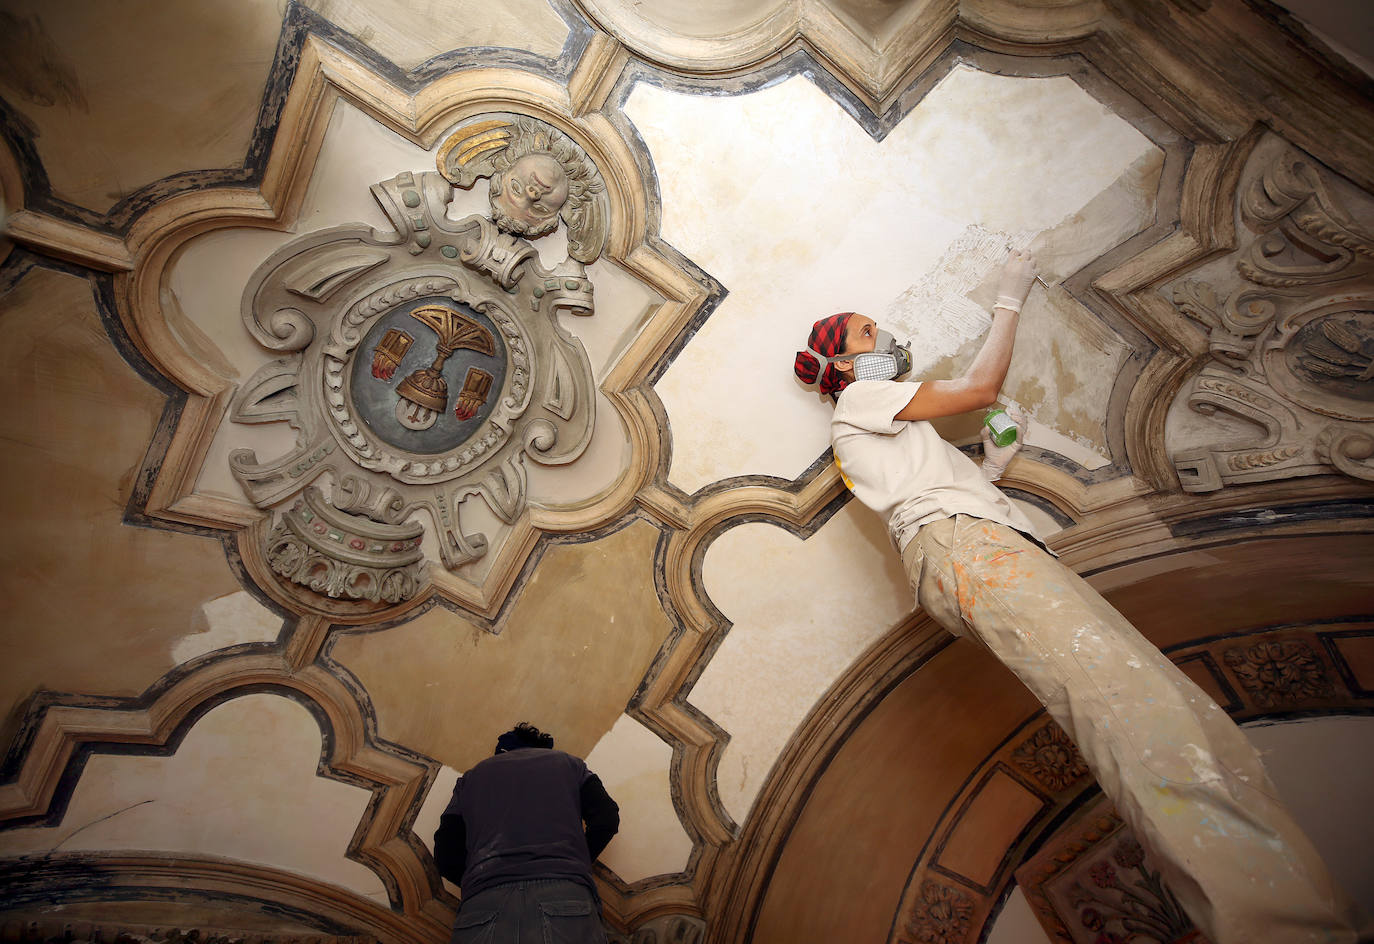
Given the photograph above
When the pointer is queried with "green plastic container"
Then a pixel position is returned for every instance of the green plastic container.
(1001, 426)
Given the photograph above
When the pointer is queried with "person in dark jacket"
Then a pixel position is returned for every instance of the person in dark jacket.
(519, 838)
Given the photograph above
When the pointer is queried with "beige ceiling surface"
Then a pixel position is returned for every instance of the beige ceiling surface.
(692, 603)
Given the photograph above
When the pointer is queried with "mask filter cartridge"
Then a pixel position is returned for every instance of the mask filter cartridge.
(887, 360)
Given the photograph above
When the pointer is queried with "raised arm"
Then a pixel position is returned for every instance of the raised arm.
(979, 386)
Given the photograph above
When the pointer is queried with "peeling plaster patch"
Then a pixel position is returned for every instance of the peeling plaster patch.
(242, 785)
(802, 612)
(1062, 374)
(228, 621)
(851, 226)
(634, 765)
(936, 314)
(427, 820)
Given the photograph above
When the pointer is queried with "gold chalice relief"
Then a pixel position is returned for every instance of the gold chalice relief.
(423, 395)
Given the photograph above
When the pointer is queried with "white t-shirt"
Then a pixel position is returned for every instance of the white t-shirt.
(903, 470)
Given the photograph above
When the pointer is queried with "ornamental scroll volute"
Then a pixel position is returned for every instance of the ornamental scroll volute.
(424, 366)
(1290, 327)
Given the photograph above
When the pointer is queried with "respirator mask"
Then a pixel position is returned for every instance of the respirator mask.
(887, 360)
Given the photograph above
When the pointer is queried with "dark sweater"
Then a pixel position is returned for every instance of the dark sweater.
(519, 816)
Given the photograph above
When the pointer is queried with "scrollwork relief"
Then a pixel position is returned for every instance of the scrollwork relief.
(425, 366)
(1291, 336)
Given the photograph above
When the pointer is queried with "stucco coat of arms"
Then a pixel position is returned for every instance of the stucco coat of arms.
(423, 367)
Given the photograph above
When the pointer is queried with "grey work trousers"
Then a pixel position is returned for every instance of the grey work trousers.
(1183, 776)
(544, 911)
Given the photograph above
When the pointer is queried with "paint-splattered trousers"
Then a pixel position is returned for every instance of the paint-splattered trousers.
(1183, 776)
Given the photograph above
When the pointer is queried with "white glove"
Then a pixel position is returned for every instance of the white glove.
(1017, 275)
(996, 458)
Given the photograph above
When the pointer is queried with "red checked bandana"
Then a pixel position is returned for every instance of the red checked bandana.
(826, 340)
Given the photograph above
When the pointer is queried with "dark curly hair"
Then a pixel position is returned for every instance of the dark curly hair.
(523, 735)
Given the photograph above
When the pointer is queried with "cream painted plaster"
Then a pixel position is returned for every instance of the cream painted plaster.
(801, 612)
(853, 225)
(707, 19)
(205, 287)
(242, 785)
(408, 32)
(107, 86)
(872, 16)
(92, 605)
(633, 764)
(229, 620)
(607, 458)
(624, 306)
(436, 801)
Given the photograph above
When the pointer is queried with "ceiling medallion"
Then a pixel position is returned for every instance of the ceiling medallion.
(423, 366)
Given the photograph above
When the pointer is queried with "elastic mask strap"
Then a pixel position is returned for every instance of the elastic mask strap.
(823, 360)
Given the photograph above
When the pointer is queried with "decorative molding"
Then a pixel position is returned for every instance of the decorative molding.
(1092, 881)
(1292, 345)
(170, 880)
(339, 554)
(348, 307)
(1280, 673)
(1275, 672)
(60, 732)
(43, 930)
(943, 915)
(1050, 758)
(667, 929)
(1121, 520)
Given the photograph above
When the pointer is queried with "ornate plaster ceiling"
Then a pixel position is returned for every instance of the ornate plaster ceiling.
(690, 602)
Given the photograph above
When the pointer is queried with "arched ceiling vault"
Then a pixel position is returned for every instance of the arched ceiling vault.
(687, 597)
